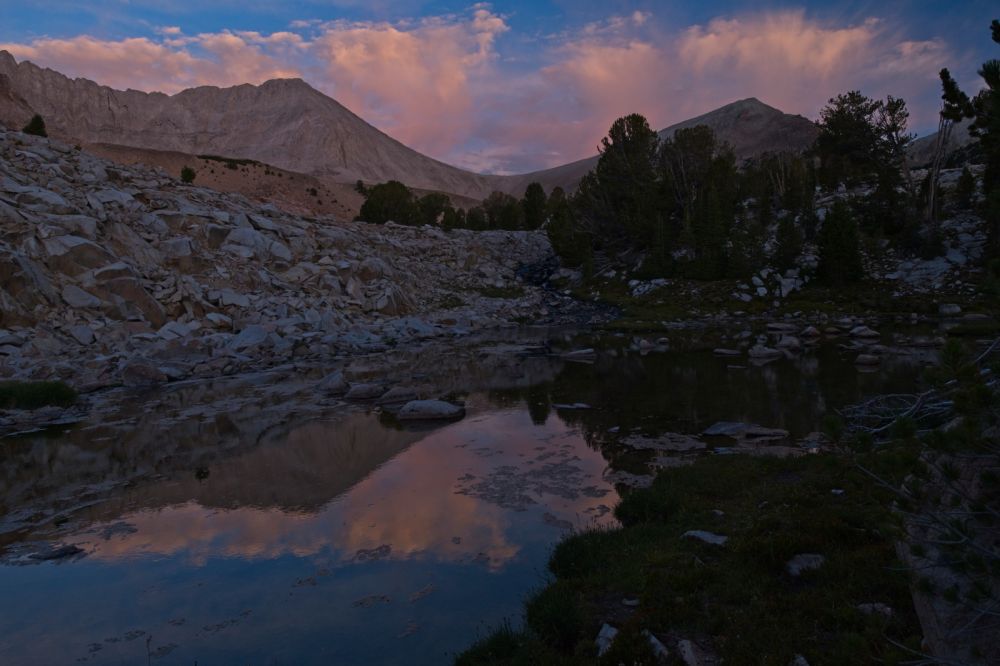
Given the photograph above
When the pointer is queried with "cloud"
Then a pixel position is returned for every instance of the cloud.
(449, 85)
(412, 79)
(221, 59)
(784, 58)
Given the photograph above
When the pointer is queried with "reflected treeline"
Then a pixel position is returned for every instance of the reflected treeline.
(688, 391)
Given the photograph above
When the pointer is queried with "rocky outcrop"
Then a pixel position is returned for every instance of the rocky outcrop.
(121, 274)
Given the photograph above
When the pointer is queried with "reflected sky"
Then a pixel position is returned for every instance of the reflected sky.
(246, 562)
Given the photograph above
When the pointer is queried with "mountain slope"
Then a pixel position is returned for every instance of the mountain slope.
(288, 124)
(283, 122)
(921, 151)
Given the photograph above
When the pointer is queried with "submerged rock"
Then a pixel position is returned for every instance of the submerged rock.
(365, 391)
(428, 410)
(580, 355)
(726, 352)
(762, 352)
(707, 537)
(333, 384)
(949, 310)
(804, 562)
(864, 332)
(397, 395)
(867, 360)
(688, 653)
(666, 442)
(875, 609)
(749, 431)
(605, 637)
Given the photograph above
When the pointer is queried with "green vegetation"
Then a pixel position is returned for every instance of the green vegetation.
(862, 140)
(229, 162)
(431, 208)
(965, 189)
(740, 593)
(839, 247)
(570, 241)
(682, 205)
(32, 395)
(36, 126)
(390, 201)
(984, 110)
(534, 206)
(396, 202)
(188, 174)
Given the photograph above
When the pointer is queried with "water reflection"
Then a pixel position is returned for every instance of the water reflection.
(250, 520)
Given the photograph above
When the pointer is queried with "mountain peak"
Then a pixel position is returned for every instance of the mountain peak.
(290, 124)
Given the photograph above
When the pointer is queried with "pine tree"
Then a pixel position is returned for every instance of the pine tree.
(985, 111)
(572, 243)
(839, 247)
(533, 206)
(36, 126)
(618, 201)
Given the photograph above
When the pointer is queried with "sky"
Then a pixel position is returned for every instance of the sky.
(509, 87)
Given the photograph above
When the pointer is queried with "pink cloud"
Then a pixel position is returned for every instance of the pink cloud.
(442, 85)
(784, 58)
(414, 81)
(223, 59)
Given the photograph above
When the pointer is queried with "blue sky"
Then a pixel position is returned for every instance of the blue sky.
(513, 86)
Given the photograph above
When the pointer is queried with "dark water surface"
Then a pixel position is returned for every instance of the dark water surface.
(251, 521)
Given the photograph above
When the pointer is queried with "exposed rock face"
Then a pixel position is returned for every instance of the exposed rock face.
(120, 274)
(282, 122)
(291, 125)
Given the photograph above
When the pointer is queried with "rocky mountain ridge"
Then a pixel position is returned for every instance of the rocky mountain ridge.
(289, 124)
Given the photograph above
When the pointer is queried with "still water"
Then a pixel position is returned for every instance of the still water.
(252, 521)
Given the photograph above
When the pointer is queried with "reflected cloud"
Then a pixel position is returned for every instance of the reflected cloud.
(346, 488)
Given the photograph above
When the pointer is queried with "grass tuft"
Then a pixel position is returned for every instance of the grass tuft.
(32, 395)
(741, 594)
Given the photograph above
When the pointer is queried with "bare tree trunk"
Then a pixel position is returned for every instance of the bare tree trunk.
(940, 153)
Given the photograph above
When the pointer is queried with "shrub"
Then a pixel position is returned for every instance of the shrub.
(432, 208)
(36, 126)
(390, 201)
(965, 190)
(188, 174)
(32, 395)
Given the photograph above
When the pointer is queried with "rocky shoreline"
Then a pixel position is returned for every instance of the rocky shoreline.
(122, 275)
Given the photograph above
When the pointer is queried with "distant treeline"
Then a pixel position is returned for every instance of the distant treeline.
(683, 206)
(394, 202)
